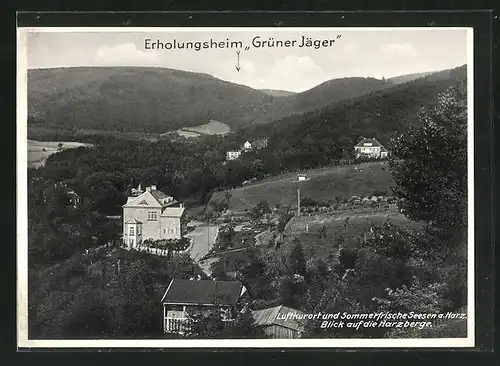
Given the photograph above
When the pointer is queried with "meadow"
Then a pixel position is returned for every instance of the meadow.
(39, 151)
(210, 128)
(324, 184)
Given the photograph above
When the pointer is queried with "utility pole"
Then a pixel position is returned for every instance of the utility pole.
(298, 201)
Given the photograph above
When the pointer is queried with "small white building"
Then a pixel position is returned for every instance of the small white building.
(247, 145)
(232, 155)
(370, 148)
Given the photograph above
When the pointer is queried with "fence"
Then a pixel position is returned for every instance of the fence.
(380, 207)
(162, 251)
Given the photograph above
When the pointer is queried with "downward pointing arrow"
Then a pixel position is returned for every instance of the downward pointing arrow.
(238, 64)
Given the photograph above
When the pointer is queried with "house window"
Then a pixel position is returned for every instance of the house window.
(132, 231)
(152, 215)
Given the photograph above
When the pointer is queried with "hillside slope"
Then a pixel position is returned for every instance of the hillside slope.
(328, 135)
(159, 100)
(324, 184)
(377, 114)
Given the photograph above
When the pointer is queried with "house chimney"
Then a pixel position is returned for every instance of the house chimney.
(148, 189)
(153, 187)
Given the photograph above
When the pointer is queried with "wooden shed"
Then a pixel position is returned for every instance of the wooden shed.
(280, 322)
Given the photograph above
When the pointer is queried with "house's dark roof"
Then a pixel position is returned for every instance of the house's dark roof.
(372, 141)
(202, 292)
(160, 196)
(266, 317)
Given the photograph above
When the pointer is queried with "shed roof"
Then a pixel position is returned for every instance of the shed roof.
(266, 317)
(203, 292)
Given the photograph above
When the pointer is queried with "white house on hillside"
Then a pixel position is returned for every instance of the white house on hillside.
(370, 148)
(232, 155)
(247, 145)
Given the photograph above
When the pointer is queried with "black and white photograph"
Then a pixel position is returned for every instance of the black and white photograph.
(245, 187)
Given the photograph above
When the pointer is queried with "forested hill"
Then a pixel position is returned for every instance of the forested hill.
(378, 114)
(134, 99)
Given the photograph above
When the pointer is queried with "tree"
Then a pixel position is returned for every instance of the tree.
(417, 297)
(259, 210)
(218, 323)
(391, 241)
(347, 221)
(226, 237)
(244, 326)
(297, 259)
(347, 259)
(429, 165)
(219, 206)
(322, 232)
(254, 275)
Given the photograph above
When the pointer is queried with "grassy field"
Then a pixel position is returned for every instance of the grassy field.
(316, 246)
(211, 128)
(39, 151)
(324, 184)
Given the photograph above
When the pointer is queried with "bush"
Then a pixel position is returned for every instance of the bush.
(347, 259)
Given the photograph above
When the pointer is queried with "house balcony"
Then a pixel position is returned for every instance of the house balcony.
(175, 325)
(179, 325)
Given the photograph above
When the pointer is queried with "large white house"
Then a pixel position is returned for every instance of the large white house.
(151, 215)
(370, 148)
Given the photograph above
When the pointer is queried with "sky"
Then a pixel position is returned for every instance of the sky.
(365, 53)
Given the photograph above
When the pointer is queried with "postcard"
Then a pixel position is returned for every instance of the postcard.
(245, 187)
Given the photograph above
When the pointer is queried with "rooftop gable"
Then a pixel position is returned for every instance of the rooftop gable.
(373, 142)
(152, 198)
(146, 199)
(133, 221)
